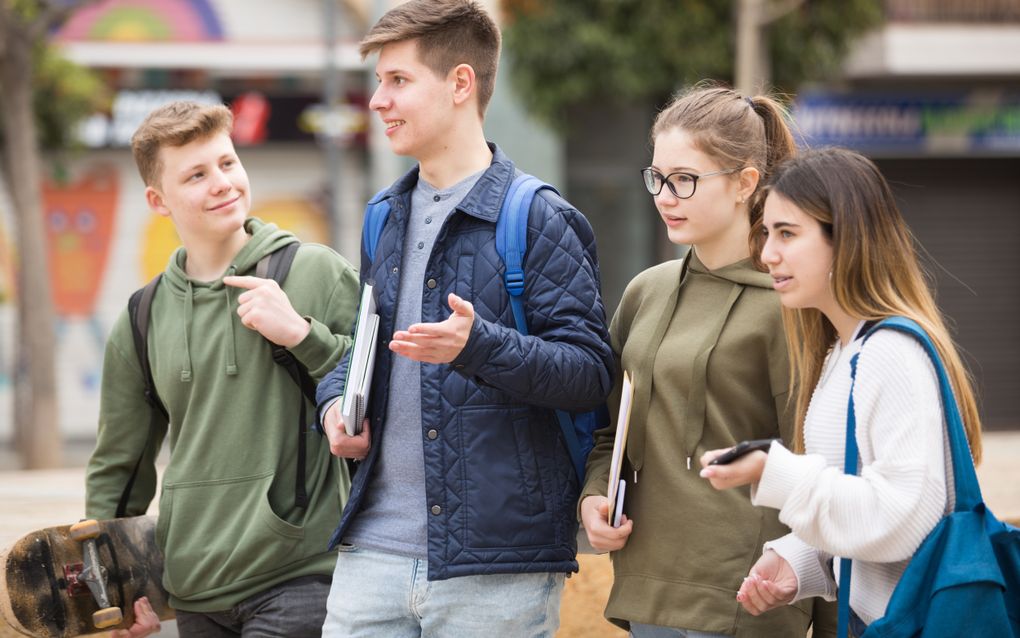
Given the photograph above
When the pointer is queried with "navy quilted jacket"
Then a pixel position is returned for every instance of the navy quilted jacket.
(501, 491)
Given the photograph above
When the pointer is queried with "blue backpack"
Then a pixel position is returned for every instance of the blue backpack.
(512, 245)
(964, 579)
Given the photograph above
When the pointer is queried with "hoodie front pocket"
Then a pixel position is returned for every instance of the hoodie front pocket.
(220, 533)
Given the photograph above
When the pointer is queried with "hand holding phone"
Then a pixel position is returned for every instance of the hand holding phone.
(740, 449)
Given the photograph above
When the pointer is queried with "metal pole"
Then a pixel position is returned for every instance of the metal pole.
(332, 136)
(747, 72)
(383, 166)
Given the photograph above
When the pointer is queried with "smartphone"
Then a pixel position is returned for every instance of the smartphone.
(740, 449)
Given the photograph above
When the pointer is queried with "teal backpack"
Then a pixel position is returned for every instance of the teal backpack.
(512, 245)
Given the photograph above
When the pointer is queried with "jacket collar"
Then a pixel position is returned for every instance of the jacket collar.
(485, 197)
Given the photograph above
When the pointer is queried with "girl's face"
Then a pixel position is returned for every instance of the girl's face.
(714, 211)
(798, 254)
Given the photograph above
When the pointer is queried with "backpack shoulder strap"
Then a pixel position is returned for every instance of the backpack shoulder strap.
(276, 265)
(376, 212)
(512, 246)
(139, 307)
(968, 492)
(512, 239)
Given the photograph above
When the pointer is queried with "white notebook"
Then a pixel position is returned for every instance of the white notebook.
(617, 485)
(362, 361)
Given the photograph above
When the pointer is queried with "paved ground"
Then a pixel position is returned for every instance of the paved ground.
(31, 500)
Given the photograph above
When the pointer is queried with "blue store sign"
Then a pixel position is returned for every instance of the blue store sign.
(891, 125)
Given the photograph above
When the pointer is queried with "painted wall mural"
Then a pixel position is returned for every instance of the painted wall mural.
(79, 227)
(144, 21)
(103, 243)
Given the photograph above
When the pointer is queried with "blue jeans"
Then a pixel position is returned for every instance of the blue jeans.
(293, 609)
(380, 594)
(640, 630)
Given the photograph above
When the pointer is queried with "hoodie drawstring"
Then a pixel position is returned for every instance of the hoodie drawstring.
(232, 344)
(189, 305)
(694, 423)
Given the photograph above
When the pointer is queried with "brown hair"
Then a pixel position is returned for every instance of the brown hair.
(735, 131)
(875, 270)
(448, 33)
(175, 124)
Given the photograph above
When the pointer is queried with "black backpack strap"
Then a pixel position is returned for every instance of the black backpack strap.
(275, 266)
(138, 313)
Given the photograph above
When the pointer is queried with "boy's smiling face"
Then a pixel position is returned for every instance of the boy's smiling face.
(203, 188)
(415, 105)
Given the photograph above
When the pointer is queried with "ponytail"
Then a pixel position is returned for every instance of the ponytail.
(779, 147)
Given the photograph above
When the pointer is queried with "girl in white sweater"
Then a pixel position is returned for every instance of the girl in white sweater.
(841, 257)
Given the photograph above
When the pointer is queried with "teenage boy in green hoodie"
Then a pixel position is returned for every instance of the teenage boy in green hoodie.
(242, 553)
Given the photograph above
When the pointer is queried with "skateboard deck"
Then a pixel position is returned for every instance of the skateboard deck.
(42, 588)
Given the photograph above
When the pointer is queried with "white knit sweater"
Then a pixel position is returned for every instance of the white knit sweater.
(881, 516)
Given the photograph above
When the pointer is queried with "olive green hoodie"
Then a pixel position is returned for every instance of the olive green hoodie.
(708, 359)
(228, 523)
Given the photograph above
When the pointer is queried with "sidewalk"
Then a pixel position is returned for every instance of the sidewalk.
(32, 500)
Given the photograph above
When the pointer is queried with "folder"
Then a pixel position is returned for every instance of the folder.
(617, 486)
(358, 385)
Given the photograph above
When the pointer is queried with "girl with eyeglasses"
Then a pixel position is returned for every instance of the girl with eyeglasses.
(842, 258)
(702, 338)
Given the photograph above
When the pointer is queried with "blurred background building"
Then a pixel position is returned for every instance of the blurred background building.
(933, 95)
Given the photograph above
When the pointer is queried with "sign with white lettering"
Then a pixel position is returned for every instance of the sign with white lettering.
(890, 124)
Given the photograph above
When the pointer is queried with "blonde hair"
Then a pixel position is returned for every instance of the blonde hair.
(175, 124)
(875, 271)
(448, 33)
(735, 131)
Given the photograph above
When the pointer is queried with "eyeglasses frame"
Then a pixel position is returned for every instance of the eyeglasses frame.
(669, 184)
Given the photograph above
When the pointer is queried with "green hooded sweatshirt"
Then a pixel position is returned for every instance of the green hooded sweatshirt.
(707, 355)
(228, 523)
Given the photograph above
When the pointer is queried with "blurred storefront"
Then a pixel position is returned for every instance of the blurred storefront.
(299, 91)
(934, 98)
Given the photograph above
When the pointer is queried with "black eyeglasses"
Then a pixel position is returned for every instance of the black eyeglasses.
(681, 184)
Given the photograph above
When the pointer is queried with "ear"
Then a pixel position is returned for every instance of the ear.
(156, 201)
(463, 78)
(749, 178)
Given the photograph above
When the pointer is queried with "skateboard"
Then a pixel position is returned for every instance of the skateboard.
(81, 579)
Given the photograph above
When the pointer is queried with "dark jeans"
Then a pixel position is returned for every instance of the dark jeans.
(292, 609)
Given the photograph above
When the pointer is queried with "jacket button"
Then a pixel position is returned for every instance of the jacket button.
(436, 510)
(433, 434)
(431, 283)
(395, 269)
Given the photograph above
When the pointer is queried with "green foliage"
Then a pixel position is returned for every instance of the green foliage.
(64, 94)
(569, 52)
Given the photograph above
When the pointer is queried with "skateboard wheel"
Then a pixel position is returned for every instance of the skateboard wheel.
(107, 617)
(84, 530)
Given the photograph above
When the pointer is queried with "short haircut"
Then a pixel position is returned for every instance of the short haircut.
(448, 33)
(175, 124)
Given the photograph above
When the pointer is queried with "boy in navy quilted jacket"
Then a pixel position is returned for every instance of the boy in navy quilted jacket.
(462, 518)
